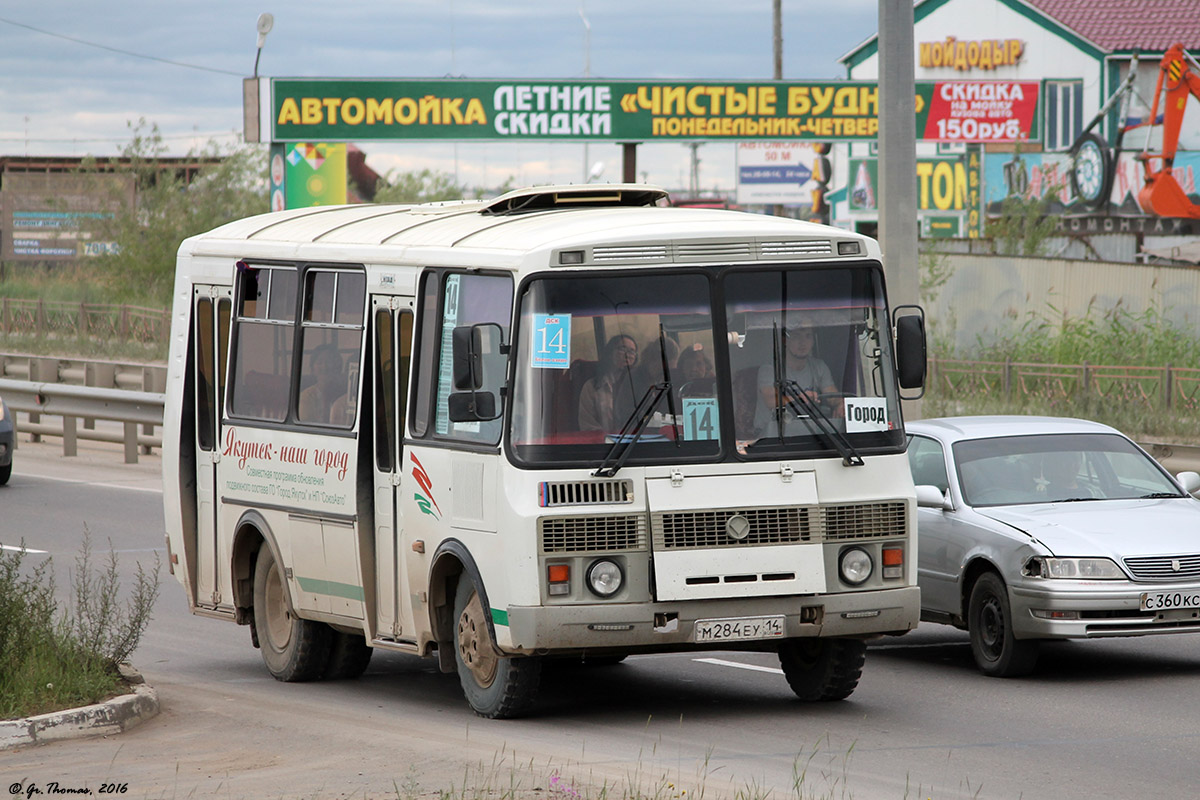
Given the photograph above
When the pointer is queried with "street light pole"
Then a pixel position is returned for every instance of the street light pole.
(587, 73)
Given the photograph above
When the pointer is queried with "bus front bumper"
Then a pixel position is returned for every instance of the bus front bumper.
(650, 627)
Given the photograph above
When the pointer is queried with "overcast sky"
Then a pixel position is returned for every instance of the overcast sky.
(61, 94)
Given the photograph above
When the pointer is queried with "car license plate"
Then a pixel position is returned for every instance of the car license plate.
(1169, 601)
(725, 630)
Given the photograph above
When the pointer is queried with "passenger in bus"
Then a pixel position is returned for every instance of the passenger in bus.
(694, 364)
(607, 399)
(650, 371)
(319, 401)
(801, 365)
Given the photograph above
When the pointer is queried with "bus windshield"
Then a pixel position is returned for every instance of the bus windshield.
(595, 355)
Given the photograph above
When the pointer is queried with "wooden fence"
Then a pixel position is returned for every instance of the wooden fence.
(1169, 388)
(121, 323)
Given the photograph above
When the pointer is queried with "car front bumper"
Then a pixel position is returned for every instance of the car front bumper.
(1097, 609)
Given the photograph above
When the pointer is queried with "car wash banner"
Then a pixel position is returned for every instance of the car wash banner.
(384, 109)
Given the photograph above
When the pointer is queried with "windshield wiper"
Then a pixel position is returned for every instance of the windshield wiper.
(631, 431)
(804, 408)
(627, 438)
(1158, 495)
(799, 401)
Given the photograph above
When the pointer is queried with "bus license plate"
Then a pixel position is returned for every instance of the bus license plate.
(725, 630)
(1169, 601)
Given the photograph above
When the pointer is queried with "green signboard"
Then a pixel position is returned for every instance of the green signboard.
(361, 109)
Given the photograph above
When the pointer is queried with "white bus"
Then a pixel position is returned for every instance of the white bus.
(568, 422)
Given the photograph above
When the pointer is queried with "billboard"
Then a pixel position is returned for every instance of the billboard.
(387, 109)
(307, 174)
(775, 172)
(47, 215)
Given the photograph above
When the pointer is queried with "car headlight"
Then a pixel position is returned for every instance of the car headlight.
(605, 578)
(1091, 569)
(855, 565)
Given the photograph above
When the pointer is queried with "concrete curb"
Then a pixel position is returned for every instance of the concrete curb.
(112, 716)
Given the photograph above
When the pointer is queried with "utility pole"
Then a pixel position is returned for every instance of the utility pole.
(777, 12)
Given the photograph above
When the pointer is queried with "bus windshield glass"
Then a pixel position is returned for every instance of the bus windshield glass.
(775, 364)
(809, 360)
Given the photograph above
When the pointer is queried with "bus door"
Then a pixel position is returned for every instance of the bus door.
(392, 329)
(211, 307)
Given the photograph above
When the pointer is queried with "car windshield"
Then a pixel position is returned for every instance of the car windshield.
(794, 363)
(1057, 468)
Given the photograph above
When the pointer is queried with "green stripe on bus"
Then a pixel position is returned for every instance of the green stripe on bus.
(332, 588)
(500, 616)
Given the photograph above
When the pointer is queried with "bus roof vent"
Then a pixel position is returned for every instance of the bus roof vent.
(715, 251)
(631, 253)
(588, 195)
(796, 247)
(584, 493)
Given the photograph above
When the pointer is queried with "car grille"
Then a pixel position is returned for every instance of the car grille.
(768, 526)
(601, 534)
(1164, 568)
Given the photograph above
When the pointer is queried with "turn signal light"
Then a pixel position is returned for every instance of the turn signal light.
(893, 562)
(558, 579)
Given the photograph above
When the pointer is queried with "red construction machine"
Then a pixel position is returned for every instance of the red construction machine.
(1093, 164)
(1162, 195)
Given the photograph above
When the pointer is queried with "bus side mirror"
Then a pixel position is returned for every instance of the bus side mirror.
(470, 345)
(910, 349)
(472, 406)
(467, 360)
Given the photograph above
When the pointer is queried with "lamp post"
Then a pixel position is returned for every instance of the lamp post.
(265, 23)
(587, 73)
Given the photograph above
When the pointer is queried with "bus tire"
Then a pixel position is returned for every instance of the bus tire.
(496, 687)
(349, 656)
(822, 669)
(293, 649)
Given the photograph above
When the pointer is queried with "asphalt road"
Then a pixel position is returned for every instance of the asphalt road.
(1118, 718)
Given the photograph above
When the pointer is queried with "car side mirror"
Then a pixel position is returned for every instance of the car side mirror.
(932, 497)
(1190, 481)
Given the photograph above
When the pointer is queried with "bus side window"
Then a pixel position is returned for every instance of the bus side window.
(262, 358)
(393, 349)
(331, 336)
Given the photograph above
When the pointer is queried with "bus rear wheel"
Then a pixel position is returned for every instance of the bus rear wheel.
(294, 649)
(496, 687)
(822, 669)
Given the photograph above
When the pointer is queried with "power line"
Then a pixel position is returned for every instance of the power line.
(118, 50)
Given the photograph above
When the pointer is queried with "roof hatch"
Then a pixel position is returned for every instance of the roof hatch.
(541, 198)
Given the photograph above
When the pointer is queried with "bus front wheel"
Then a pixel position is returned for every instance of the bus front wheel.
(822, 669)
(496, 687)
(294, 649)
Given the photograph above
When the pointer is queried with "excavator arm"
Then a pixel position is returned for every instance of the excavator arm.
(1162, 195)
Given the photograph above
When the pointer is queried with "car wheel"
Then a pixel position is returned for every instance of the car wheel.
(822, 669)
(497, 687)
(1090, 171)
(5, 473)
(294, 649)
(989, 621)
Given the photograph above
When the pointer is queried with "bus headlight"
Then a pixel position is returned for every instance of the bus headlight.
(855, 565)
(605, 578)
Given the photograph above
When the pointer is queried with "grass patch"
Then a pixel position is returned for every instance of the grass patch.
(1133, 401)
(54, 657)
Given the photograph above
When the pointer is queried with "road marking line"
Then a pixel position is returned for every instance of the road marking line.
(19, 549)
(92, 483)
(720, 662)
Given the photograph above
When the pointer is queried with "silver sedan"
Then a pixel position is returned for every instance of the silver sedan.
(1035, 528)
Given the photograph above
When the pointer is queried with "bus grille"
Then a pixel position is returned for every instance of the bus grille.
(583, 493)
(685, 530)
(1164, 568)
(592, 534)
(688, 530)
